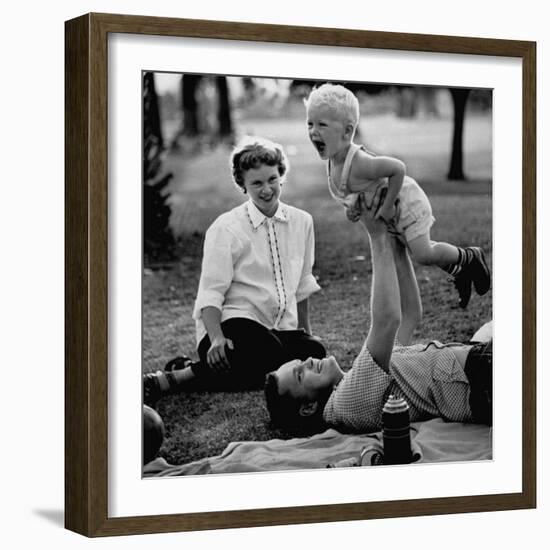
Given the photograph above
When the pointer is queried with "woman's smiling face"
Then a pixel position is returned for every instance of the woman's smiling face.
(263, 186)
(308, 380)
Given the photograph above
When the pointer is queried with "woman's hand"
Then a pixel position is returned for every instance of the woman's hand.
(216, 355)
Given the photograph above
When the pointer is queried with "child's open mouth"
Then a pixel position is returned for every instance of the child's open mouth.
(320, 146)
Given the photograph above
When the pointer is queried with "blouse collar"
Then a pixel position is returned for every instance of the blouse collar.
(257, 218)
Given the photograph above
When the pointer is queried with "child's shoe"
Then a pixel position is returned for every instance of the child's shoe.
(463, 283)
(481, 276)
(476, 271)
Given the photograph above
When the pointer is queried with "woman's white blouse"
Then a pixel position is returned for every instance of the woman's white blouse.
(257, 267)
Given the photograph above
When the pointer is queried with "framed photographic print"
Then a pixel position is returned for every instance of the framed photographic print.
(199, 224)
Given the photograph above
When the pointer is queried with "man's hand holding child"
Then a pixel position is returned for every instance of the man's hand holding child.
(374, 224)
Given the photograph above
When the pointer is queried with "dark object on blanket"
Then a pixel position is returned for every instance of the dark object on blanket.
(153, 433)
(396, 431)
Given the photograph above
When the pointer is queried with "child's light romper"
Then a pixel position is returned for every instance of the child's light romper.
(413, 216)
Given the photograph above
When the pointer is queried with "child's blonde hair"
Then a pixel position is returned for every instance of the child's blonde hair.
(338, 99)
(252, 152)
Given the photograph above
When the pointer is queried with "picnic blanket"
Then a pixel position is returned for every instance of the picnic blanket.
(432, 441)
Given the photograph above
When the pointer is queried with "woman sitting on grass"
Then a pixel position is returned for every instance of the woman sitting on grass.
(451, 381)
(251, 310)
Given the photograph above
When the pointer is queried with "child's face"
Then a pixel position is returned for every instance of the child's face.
(263, 185)
(328, 133)
(307, 380)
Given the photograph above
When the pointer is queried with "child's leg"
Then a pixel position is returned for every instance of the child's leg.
(465, 265)
(427, 252)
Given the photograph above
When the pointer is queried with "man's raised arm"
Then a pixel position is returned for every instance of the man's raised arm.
(385, 299)
(411, 303)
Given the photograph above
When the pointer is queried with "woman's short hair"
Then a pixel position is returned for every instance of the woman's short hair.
(252, 152)
(338, 99)
(284, 410)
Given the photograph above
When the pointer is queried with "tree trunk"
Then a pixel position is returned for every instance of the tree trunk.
(151, 122)
(225, 126)
(189, 83)
(460, 98)
(408, 103)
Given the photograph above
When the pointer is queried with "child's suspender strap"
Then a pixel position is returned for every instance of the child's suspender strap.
(353, 148)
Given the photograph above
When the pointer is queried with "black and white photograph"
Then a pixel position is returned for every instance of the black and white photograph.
(316, 275)
(259, 258)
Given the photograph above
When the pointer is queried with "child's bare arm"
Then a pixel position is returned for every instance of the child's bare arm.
(366, 167)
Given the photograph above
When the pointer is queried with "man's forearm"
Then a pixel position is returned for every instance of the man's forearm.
(411, 304)
(385, 296)
(385, 301)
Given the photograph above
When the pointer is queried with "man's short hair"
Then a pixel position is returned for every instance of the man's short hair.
(284, 410)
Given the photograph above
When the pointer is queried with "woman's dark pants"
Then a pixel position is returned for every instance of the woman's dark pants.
(257, 351)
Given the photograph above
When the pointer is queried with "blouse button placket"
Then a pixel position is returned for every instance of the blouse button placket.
(277, 272)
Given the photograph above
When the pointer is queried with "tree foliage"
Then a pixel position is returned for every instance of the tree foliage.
(157, 236)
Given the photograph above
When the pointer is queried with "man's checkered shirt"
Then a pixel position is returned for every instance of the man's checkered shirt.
(429, 377)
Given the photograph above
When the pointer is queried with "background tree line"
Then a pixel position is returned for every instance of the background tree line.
(206, 114)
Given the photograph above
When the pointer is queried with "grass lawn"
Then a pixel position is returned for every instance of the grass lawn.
(200, 425)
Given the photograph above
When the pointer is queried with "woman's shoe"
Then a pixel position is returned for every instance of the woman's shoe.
(178, 363)
(157, 385)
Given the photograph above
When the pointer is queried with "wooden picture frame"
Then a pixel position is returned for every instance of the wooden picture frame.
(86, 283)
